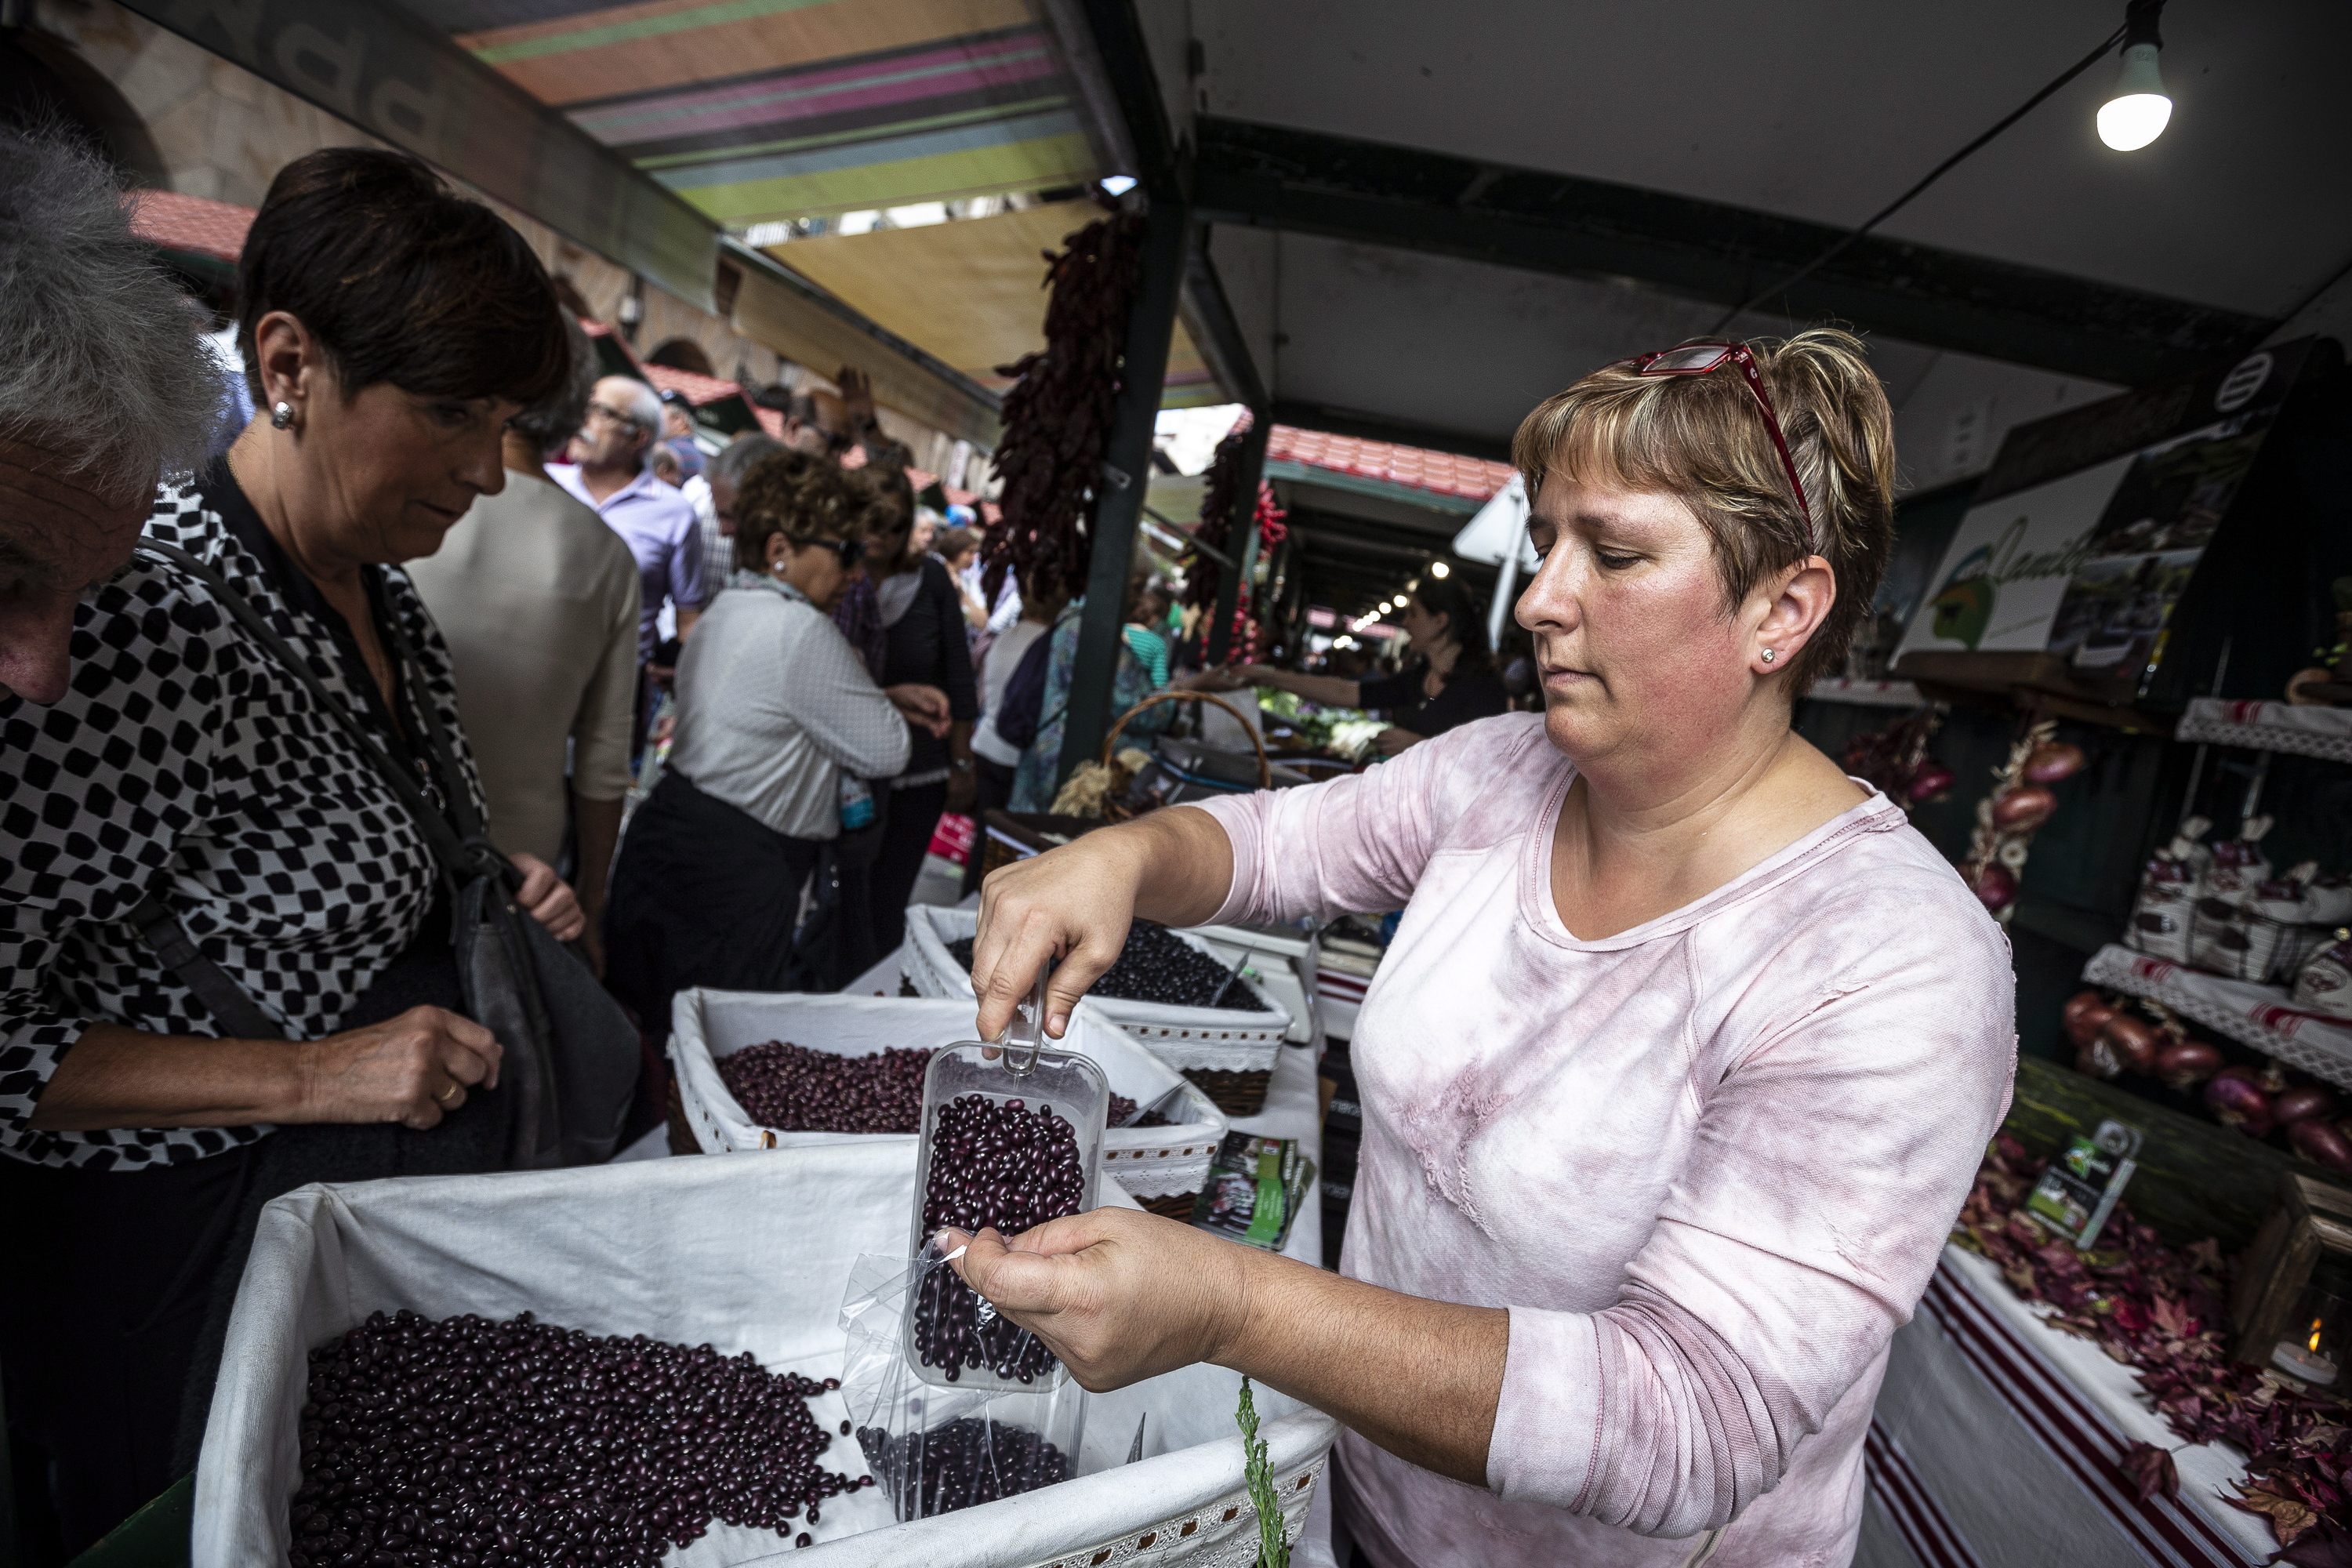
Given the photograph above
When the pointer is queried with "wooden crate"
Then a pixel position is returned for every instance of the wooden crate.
(2195, 1179)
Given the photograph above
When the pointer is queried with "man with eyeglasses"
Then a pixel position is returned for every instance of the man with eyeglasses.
(609, 471)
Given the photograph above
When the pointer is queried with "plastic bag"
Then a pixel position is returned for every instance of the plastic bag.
(932, 1449)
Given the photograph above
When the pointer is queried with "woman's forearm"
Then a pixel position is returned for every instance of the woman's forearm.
(115, 1077)
(1427, 1394)
(1328, 690)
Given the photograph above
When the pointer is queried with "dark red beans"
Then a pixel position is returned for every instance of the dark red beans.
(997, 1163)
(465, 1443)
(969, 1461)
(1122, 1108)
(795, 1089)
(1154, 966)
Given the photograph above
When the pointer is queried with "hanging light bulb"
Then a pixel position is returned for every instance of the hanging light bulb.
(1439, 569)
(2137, 111)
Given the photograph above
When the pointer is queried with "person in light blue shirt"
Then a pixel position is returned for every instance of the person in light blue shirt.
(608, 471)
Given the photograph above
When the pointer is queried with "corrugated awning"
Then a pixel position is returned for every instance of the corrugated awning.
(762, 109)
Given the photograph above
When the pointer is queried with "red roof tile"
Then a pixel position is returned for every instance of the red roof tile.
(1445, 472)
(190, 222)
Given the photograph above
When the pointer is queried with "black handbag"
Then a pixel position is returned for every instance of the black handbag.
(570, 1053)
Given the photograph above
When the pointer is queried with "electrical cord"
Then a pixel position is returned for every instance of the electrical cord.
(1940, 169)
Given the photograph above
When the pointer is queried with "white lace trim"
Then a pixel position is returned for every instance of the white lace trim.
(1222, 1535)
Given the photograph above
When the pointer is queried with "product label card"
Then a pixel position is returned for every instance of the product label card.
(2078, 1191)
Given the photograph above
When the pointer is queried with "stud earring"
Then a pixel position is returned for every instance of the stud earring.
(1769, 653)
(281, 416)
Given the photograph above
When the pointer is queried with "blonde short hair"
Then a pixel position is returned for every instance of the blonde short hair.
(1703, 438)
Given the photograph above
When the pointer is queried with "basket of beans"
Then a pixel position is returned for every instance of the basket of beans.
(1170, 990)
(641, 1364)
(765, 1070)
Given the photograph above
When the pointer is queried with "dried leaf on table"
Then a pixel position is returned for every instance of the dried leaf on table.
(2151, 1471)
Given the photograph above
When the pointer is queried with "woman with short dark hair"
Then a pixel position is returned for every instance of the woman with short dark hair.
(188, 836)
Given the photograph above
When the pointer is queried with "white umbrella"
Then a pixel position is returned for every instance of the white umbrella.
(1488, 536)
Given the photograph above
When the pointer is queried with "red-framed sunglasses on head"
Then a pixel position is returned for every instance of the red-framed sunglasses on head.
(1698, 359)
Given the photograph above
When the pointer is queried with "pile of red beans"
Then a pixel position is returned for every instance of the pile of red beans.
(468, 1443)
(969, 1460)
(795, 1089)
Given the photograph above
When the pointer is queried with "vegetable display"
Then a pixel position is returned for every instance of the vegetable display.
(2257, 1098)
(463, 1441)
(2020, 802)
(2159, 1310)
(1059, 415)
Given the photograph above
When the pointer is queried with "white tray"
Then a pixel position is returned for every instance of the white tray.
(706, 1025)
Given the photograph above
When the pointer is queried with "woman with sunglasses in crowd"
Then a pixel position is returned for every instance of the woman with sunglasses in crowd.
(774, 707)
(1677, 1070)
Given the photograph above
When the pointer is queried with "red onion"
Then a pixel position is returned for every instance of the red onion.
(2188, 1064)
(1932, 780)
(2135, 1043)
(2238, 1103)
(2051, 763)
(2086, 1014)
(2321, 1143)
(2303, 1105)
(1996, 887)
(2029, 805)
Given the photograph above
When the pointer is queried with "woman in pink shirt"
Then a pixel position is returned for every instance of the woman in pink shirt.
(1678, 1067)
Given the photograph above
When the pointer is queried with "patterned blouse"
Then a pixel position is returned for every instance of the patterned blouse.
(186, 760)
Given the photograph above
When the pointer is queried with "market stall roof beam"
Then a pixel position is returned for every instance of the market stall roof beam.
(1344, 188)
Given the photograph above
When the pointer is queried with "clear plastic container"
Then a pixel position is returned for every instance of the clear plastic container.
(1024, 1067)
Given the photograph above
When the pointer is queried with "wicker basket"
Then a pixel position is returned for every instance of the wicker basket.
(1230, 1053)
(1115, 810)
(1151, 1163)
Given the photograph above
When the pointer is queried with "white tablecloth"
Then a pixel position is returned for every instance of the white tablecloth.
(1998, 1441)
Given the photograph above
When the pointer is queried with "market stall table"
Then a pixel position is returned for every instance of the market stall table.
(1999, 1439)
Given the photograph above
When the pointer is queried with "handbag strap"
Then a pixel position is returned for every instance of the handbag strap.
(463, 858)
(161, 930)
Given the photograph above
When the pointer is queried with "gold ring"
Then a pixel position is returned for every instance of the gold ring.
(446, 1095)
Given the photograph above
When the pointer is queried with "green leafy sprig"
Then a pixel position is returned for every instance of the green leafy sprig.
(1273, 1550)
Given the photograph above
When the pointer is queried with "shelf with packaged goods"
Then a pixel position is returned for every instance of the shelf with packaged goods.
(2262, 1016)
(2309, 732)
(1865, 693)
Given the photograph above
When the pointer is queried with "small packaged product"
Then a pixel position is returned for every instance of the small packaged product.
(2239, 863)
(2324, 983)
(1254, 1190)
(2168, 889)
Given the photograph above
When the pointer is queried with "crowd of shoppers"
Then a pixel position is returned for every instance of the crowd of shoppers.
(227, 953)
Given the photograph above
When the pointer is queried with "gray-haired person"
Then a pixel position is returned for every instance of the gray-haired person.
(105, 388)
(538, 602)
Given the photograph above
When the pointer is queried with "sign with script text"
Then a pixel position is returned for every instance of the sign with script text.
(2085, 532)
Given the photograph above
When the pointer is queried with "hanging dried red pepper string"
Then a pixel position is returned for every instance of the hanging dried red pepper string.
(1058, 417)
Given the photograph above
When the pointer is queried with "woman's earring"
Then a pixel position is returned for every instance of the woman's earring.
(281, 416)
(1769, 653)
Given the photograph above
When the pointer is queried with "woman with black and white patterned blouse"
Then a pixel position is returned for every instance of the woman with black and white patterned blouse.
(391, 329)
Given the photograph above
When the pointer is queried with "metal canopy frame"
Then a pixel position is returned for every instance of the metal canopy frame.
(1309, 182)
